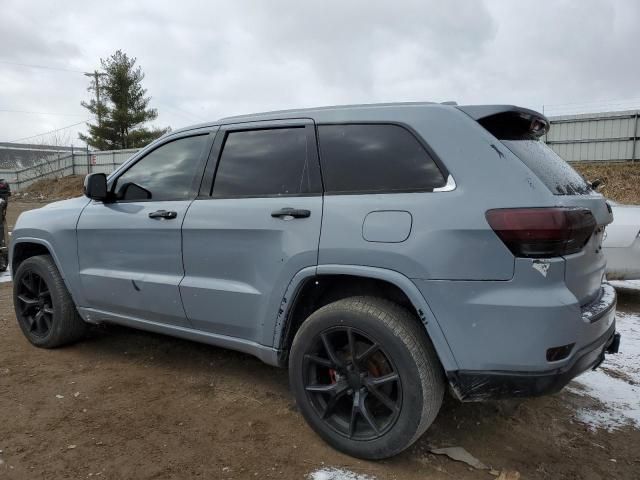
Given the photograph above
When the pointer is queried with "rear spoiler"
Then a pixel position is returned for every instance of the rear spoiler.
(508, 122)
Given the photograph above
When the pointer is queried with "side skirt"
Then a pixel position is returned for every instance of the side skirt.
(267, 354)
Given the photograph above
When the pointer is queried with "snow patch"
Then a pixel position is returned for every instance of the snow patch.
(626, 284)
(5, 276)
(616, 384)
(332, 473)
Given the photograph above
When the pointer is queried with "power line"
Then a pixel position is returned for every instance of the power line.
(181, 111)
(44, 113)
(94, 74)
(40, 66)
(49, 132)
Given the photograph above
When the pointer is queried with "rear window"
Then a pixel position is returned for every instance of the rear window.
(550, 168)
(375, 158)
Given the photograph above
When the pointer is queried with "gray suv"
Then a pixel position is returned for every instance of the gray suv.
(382, 252)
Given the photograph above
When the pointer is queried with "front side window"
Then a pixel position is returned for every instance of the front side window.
(375, 158)
(257, 163)
(170, 172)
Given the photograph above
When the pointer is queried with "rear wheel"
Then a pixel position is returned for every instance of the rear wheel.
(44, 309)
(365, 376)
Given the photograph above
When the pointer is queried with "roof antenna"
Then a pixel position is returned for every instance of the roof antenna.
(449, 102)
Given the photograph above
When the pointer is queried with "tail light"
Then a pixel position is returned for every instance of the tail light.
(542, 232)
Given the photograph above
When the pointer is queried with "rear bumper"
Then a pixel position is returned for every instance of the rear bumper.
(471, 385)
(532, 323)
(478, 386)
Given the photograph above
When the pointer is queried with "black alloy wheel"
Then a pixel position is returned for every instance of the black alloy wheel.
(35, 305)
(44, 308)
(352, 383)
(366, 376)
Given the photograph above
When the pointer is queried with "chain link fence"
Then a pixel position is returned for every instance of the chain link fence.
(79, 162)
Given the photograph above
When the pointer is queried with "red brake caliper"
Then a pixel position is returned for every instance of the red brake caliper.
(332, 376)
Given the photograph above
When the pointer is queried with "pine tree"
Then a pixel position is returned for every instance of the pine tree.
(123, 108)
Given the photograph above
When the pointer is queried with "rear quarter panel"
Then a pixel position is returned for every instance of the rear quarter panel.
(450, 238)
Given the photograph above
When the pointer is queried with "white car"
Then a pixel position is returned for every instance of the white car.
(622, 243)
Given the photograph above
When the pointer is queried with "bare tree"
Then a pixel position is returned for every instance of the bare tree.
(49, 163)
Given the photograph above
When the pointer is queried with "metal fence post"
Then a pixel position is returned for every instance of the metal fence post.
(73, 162)
(635, 138)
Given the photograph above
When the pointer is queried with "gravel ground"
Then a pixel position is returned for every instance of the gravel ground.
(129, 404)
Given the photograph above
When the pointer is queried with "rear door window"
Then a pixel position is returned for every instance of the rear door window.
(269, 162)
(375, 158)
(549, 167)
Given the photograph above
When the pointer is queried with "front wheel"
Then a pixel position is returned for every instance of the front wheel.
(44, 309)
(365, 376)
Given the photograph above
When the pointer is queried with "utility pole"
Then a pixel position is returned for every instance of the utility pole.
(96, 76)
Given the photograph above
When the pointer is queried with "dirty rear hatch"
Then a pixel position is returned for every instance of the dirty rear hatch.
(520, 130)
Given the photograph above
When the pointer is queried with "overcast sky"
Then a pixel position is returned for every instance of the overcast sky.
(204, 60)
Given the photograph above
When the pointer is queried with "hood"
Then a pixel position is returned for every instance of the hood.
(68, 203)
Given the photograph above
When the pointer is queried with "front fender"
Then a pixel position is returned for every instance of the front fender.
(54, 227)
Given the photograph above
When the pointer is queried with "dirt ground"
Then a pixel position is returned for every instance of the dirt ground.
(129, 404)
(620, 180)
(52, 189)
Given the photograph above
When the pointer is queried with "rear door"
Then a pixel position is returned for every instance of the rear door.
(130, 250)
(253, 227)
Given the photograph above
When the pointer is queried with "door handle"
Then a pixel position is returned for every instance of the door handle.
(163, 214)
(291, 212)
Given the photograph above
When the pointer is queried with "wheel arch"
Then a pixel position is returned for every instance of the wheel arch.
(27, 247)
(302, 298)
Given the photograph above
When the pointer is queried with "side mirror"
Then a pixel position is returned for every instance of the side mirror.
(95, 186)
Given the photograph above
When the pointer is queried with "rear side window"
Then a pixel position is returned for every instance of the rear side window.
(375, 158)
(551, 169)
(257, 163)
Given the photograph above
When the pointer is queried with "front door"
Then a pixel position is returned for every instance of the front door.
(130, 249)
(257, 227)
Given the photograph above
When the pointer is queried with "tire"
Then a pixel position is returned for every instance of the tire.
(44, 308)
(330, 386)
